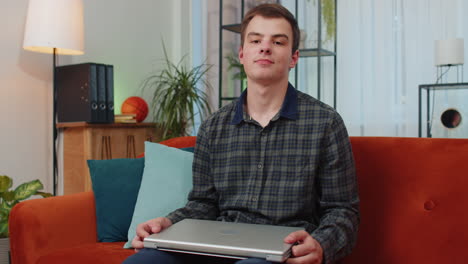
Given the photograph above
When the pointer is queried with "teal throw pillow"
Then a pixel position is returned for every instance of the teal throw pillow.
(166, 182)
(116, 183)
(189, 149)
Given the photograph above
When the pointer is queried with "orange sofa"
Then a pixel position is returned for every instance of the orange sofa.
(413, 210)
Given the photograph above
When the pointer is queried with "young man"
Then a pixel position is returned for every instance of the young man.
(275, 156)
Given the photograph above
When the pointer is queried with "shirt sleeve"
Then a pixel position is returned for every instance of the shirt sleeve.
(203, 199)
(338, 194)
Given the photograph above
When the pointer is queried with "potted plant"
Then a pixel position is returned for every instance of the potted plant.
(328, 13)
(176, 98)
(8, 199)
(328, 16)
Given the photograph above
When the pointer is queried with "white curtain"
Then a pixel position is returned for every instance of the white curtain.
(385, 51)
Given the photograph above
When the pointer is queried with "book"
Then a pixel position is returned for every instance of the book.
(130, 121)
(125, 116)
(101, 93)
(110, 93)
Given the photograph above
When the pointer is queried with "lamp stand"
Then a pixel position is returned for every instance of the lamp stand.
(54, 123)
(54, 27)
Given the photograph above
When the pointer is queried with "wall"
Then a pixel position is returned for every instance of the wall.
(25, 102)
(126, 34)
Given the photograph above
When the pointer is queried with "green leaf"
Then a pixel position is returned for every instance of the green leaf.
(44, 194)
(27, 189)
(5, 205)
(328, 14)
(4, 213)
(5, 183)
(8, 196)
(235, 64)
(3, 229)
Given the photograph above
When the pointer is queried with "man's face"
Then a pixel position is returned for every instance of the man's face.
(266, 53)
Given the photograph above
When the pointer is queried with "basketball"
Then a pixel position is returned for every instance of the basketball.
(135, 105)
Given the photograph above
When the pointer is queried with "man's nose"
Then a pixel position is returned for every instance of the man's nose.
(265, 48)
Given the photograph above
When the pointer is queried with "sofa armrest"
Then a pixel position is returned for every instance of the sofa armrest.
(39, 226)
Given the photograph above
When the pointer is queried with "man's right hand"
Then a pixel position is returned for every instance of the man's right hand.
(147, 228)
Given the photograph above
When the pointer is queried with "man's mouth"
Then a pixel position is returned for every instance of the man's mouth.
(264, 61)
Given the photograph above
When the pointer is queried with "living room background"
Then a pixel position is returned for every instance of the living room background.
(385, 50)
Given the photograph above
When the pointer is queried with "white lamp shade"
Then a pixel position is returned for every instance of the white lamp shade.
(449, 52)
(55, 24)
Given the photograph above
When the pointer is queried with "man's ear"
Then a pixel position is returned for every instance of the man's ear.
(294, 59)
(241, 55)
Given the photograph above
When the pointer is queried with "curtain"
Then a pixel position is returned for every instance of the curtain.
(385, 51)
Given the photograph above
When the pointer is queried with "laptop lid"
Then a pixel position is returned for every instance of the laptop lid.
(224, 239)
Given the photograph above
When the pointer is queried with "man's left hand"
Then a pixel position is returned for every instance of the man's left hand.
(307, 249)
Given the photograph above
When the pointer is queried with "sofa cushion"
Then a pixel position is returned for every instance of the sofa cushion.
(88, 253)
(166, 182)
(413, 200)
(115, 185)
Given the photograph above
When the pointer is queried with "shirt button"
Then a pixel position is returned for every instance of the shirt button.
(254, 199)
(260, 166)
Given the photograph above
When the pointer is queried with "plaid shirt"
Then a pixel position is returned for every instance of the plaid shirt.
(296, 171)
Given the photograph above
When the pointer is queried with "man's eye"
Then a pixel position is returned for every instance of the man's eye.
(255, 41)
(278, 43)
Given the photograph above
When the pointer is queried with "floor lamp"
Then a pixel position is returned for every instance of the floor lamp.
(54, 27)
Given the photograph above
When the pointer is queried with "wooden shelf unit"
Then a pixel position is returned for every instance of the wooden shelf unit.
(83, 141)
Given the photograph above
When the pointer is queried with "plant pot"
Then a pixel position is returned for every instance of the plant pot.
(4, 250)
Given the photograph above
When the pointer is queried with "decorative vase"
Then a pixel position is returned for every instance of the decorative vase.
(4, 250)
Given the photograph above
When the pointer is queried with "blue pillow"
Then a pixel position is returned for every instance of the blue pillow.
(189, 149)
(166, 182)
(115, 185)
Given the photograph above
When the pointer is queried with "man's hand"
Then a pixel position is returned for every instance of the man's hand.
(147, 228)
(308, 250)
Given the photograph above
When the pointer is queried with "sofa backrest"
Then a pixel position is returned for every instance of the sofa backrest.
(414, 202)
(180, 142)
(177, 142)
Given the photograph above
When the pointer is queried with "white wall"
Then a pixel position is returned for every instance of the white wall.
(124, 33)
(25, 102)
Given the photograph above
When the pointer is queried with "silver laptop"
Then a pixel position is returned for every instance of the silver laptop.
(224, 239)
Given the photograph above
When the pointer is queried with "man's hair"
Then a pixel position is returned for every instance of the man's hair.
(272, 11)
